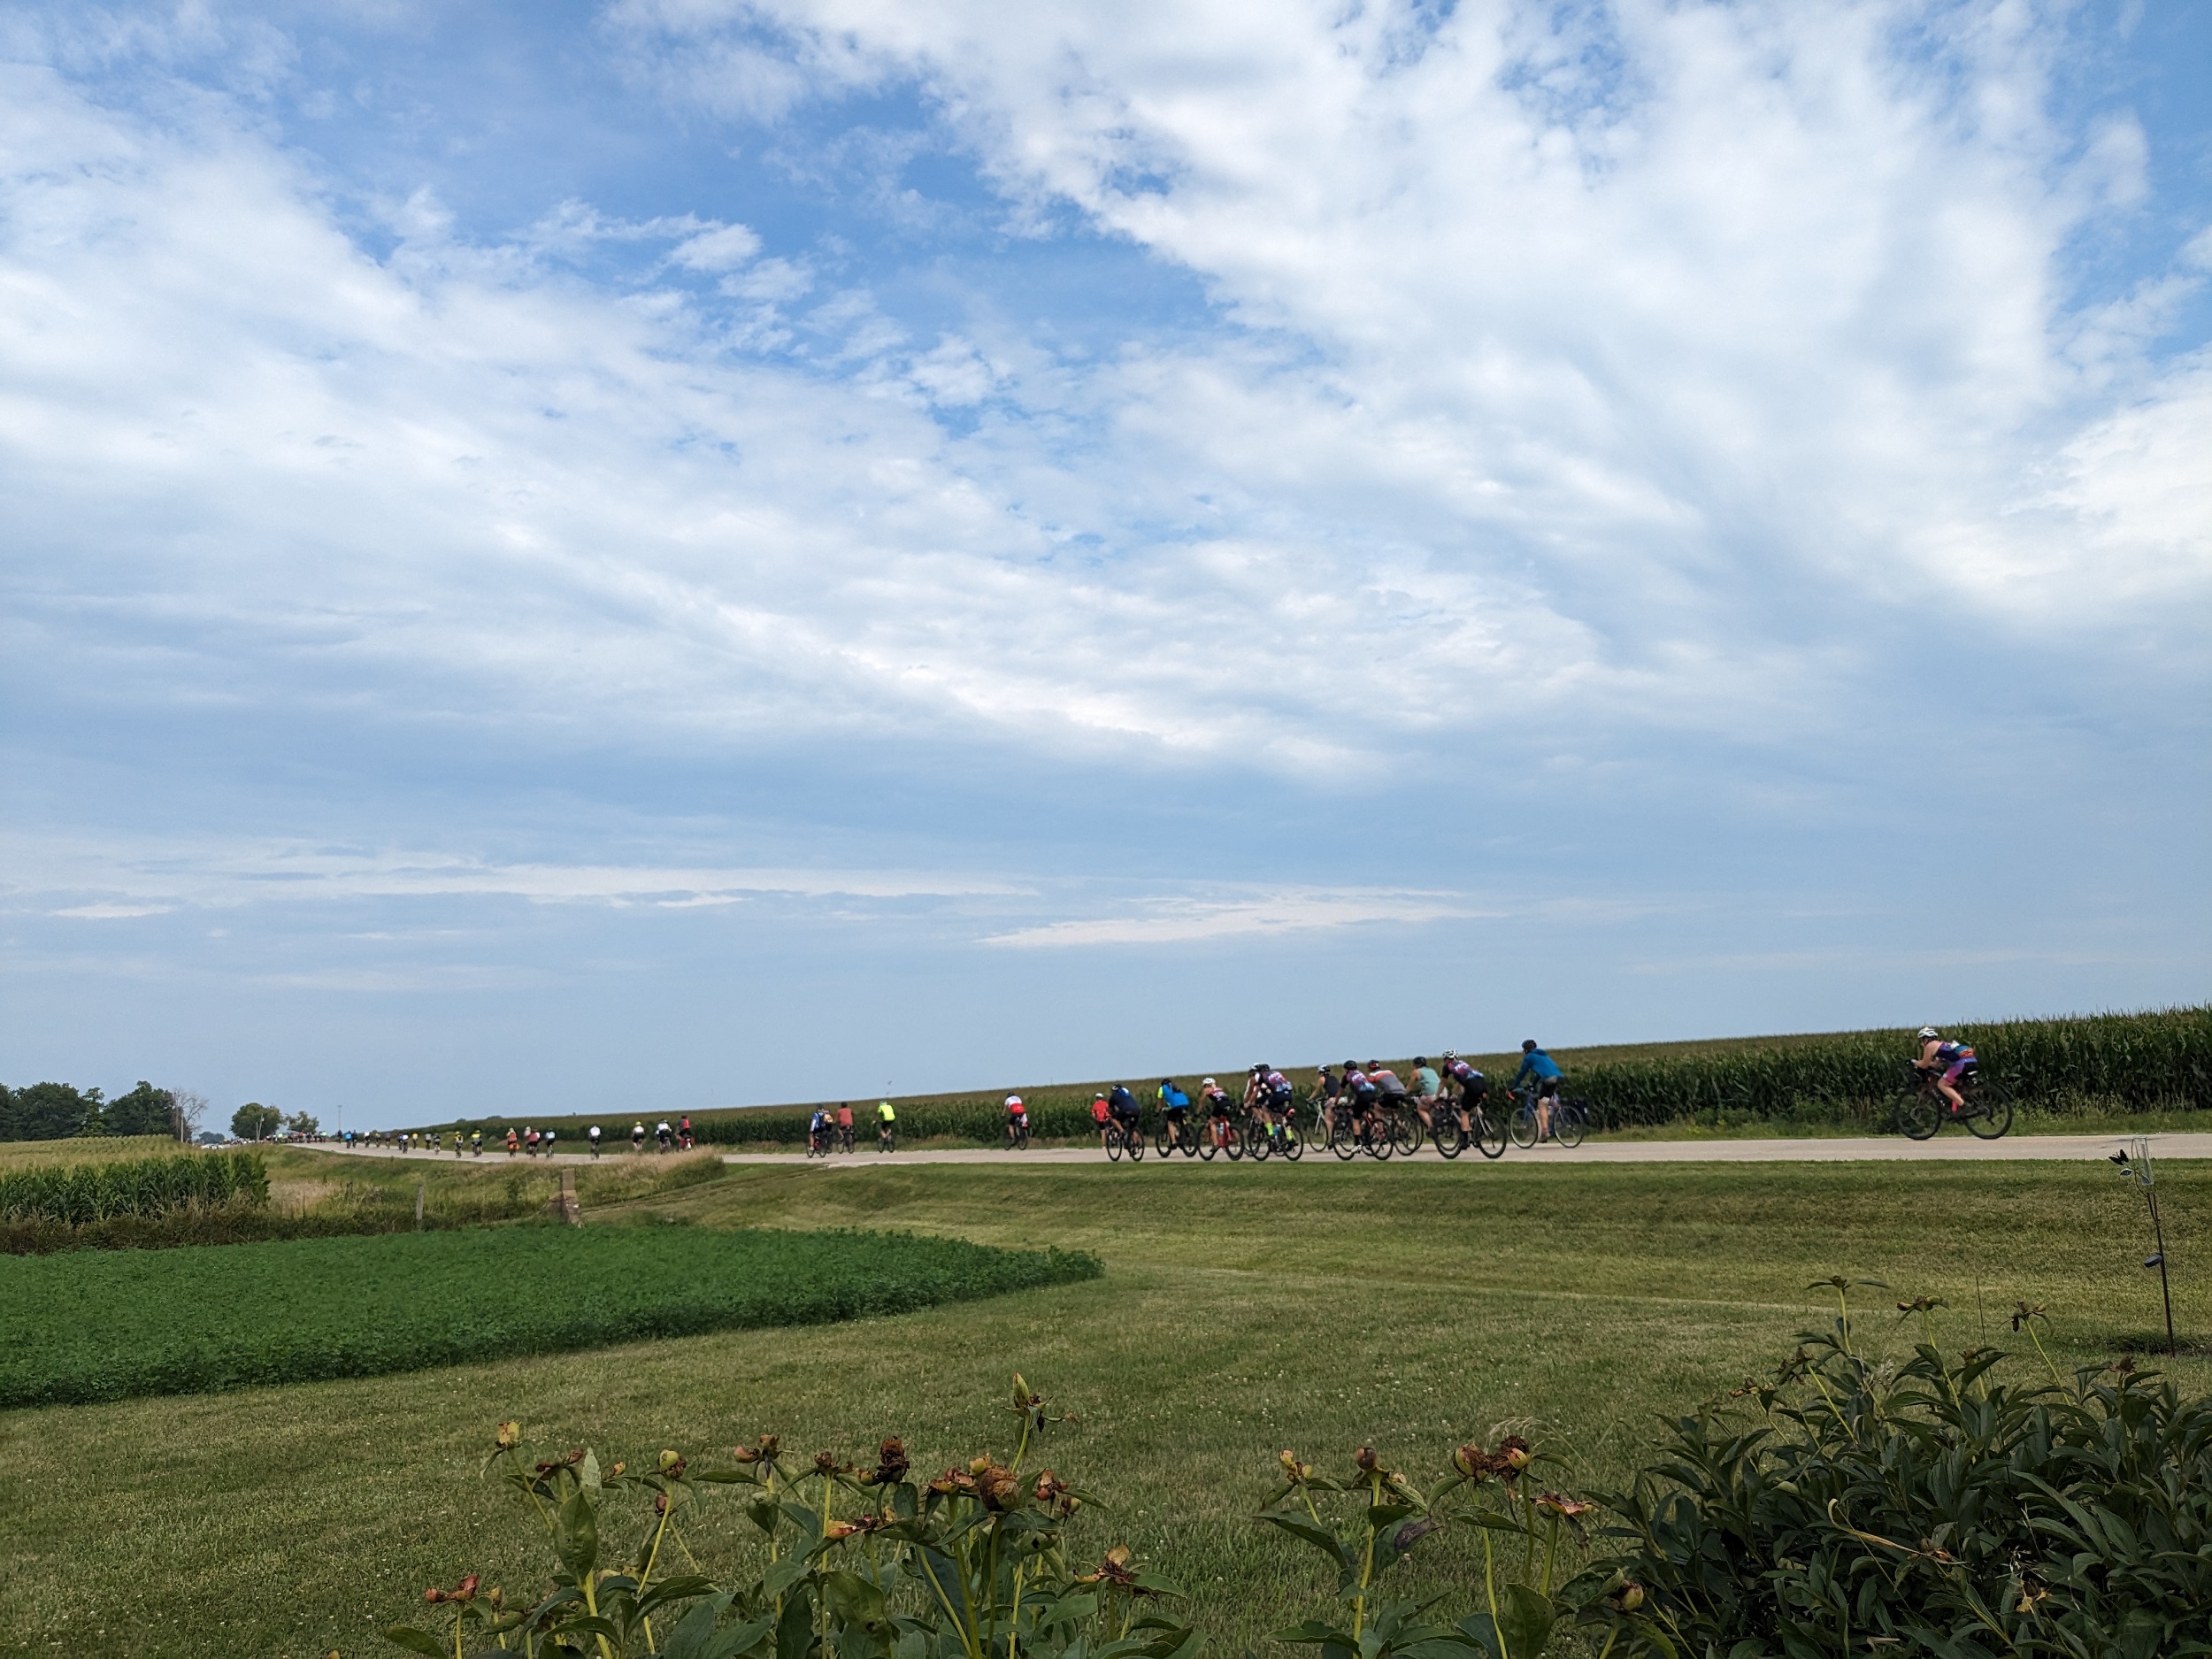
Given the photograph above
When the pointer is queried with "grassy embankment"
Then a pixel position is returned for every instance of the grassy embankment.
(17, 1156)
(1243, 1310)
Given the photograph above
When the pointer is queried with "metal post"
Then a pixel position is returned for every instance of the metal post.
(2136, 1161)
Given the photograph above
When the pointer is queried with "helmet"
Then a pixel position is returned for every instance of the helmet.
(1208, 1083)
(1451, 1054)
(1927, 1031)
(1528, 1045)
(1420, 1059)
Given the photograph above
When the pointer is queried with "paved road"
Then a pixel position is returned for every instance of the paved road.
(1825, 1149)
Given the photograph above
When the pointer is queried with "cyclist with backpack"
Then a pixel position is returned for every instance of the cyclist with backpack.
(1946, 1062)
(1126, 1112)
(886, 1127)
(1174, 1109)
(1016, 1121)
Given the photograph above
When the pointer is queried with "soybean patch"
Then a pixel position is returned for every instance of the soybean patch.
(108, 1325)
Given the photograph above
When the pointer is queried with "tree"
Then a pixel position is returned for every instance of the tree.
(253, 1121)
(50, 1111)
(300, 1123)
(190, 1107)
(145, 1110)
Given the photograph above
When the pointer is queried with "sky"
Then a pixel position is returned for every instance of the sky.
(672, 554)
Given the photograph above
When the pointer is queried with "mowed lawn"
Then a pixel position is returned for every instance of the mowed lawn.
(1243, 1310)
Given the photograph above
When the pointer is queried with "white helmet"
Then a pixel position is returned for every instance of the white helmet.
(1208, 1083)
(1927, 1031)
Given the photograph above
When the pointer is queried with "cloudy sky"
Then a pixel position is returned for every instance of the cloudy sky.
(672, 553)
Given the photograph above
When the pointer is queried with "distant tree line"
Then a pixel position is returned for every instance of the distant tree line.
(56, 1111)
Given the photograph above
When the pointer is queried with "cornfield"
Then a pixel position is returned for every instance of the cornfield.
(78, 1195)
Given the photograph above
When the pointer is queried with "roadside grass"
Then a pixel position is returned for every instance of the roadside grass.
(1244, 1310)
(493, 1188)
(28, 1155)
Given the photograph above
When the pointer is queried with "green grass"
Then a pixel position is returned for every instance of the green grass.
(117, 1324)
(1243, 1310)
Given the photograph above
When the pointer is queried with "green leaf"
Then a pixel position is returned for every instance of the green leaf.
(1319, 1537)
(576, 1533)
(678, 1589)
(1313, 1630)
(1525, 1622)
(786, 1573)
(415, 1640)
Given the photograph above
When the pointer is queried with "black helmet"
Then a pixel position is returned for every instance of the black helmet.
(1528, 1045)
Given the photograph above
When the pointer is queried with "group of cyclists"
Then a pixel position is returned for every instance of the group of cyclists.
(830, 1129)
(1353, 1110)
(527, 1140)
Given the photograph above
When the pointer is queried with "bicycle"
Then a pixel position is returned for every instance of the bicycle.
(1359, 1129)
(1482, 1133)
(1263, 1138)
(1221, 1136)
(1570, 1119)
(886, 1137)
(1124, 1137)
(1018, 1135)
(818, 1142)
(1184, 1140)
(1986, 1115)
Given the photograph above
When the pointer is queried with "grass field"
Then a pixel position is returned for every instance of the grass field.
(112, 1324)
(1243, 1310)
(30, 1155)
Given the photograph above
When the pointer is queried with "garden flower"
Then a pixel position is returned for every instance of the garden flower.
(1472, 1462)
(1627, 1598)
(824, 1464)
(1565, 1508)
(1513, 1454)
(836, 1531)
(998, 1487)
(509, 1436)
(672, 1464)
(1114, 1570)
(1366, 1460)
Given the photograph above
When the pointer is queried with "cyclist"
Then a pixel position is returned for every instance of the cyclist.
(818, 1131)
(476, 1143)
(662, 1134)
(1537, 1065)
(1361, 1097)
(683, 1132)
(514, 1141)
(1275, 1097)
(591, 1135)
(886, 1126)
(1325, 1089)
(1126, 1112)
(1102, 1114)
(1945, 1062)
(548, 1143)
(844, 1126)
(1472, 1086)
(1174, 1108)
(637, 1136)
(1427, 1090)
(1219, 1110)
(1016, 1120)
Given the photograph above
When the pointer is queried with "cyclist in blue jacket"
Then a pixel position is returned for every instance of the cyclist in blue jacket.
(1537, 1065)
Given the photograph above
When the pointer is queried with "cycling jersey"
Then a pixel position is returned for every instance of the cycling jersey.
(1217, 1103)
(1358, 1088)
(1100, 1111)
(1175, 1103)
(1387, 1080)
(1426, 1084)
(1015, 1108)
(1278, 1089)
(884, 1111)
(1122, 1103)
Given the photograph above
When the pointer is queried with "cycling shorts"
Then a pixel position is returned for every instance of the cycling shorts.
(1220, 1109)
(1175, 1111)
(1961, 1067)
(1548, 1088)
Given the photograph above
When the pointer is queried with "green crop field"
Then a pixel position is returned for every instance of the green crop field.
(109, 1324)
(1242, 1310)
(31, 1155)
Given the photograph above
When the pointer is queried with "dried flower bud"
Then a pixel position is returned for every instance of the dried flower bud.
(509, 1436)
(836, 1531)
(618, 1469)
(770, 1444)
(824, 1463)
(1628, 1598)
(1366, 1459)
(433, 1594)
(998, 1487)
(496, 1596)
(1472, 1462)
(671, 1462)
(745, 1454)
(891, 1464)
(467, 1591)
(977, 1465)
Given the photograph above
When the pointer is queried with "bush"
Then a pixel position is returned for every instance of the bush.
(1927, 1508)
(76, 1194)
(123, 1323)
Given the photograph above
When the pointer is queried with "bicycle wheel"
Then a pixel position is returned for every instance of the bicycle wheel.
(1136, 1144)
(1405, 1134)
(1920, 1119)
(1233, 1142)
(1206, 1144)
(1293, 1146)
(1113, 1146)
(1449, 1143)
(1159, 1138)
(1567, 1123)
(1258, 1144)
(1988, 1118)
(1341, 1140)
(1489, 1134)
(1523, 1126)
(1186, 1141)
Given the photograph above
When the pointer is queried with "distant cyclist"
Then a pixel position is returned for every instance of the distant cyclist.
(548, 1142)
(591, 1135)
(1537, 1065)
(1219, 1111)
(818, 1131)
(1102, 1115)
(1016, 1120)
(514, 1141)
(1360, 1097)
(637, 1136)
(1945, 1062)
(1174, 1109)
(1427, 1091)
(1472, 1087)
(886, 1127)
(662, 1134)
(683, 1132)
(1325, 1088)
(844, 1126)
(1126, 1112)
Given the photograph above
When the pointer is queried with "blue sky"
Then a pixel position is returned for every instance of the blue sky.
(666, 555)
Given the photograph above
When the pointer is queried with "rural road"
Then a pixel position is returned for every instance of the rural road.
(1825, 1149)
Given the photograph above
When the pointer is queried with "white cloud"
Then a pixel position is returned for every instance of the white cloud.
(725, 248)
(1185, 920)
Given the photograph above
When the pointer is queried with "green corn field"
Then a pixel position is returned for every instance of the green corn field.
(80, 1193)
